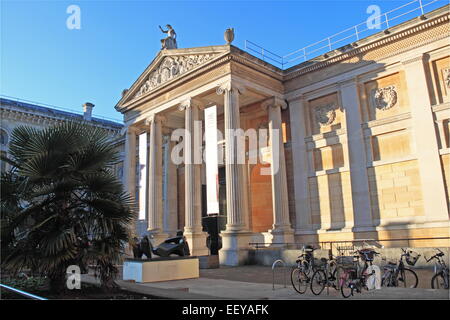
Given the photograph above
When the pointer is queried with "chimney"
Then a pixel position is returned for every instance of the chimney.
(87, 109)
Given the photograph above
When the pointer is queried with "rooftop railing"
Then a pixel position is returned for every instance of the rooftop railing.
(382, 22)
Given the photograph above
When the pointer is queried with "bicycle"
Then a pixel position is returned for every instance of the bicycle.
(352, 277)
(324, 276)
(441, 272)
(300, 273)
(397, 275)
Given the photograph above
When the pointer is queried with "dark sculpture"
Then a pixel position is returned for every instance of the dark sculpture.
(176, 245)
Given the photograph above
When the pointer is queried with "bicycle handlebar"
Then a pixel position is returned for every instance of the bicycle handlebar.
(436, 256)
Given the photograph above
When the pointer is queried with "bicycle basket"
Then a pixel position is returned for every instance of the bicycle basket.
(367, 254)
(412, 257)
(345, 261)
(322, 262)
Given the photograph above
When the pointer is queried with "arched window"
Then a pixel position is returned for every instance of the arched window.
(3, 138)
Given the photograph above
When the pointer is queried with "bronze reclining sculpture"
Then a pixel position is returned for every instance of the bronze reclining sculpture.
(176, 245)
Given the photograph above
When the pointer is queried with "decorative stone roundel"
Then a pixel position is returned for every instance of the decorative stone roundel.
(384, 98)
(325, 115)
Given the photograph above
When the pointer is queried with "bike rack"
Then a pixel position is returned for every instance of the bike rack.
(274, 264)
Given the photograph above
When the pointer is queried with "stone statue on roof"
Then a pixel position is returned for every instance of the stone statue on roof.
(170, 42)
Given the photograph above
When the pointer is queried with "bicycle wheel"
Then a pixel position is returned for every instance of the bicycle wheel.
(386, 279)
(407, 278)
(438, 281)
(318, 282)
(345, 282)
(333, 279)
(299, 280)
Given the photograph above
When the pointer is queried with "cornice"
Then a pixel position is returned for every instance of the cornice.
(42, 119)
(370, 46)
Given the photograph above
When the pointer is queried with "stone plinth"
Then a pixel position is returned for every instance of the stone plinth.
(161, 269)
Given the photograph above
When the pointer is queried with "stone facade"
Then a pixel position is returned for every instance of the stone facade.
(14, 113)
(364, 139)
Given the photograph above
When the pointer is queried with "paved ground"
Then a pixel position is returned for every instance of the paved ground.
(255, 283)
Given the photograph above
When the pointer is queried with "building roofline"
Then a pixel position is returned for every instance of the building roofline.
(56, 113)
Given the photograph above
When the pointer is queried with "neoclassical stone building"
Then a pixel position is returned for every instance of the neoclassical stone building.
(14, 113)
(364, 151)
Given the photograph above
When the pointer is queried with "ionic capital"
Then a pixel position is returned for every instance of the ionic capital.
(189, 103)
(230, 87)
(155, 118)
(274, 102)
(130, 130)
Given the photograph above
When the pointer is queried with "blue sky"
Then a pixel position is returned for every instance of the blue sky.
(43, 61)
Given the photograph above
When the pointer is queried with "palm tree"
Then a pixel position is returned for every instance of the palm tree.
(60, 203)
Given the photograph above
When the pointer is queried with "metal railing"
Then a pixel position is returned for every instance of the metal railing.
(345, 246)
(338, 40)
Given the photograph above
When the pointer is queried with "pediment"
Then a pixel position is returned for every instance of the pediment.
(171, 67)
(167, 66)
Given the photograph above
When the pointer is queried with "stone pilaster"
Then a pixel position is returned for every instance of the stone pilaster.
(362, 214)
(129, 165)
(235, 238)
(433, 190)
(303, 223)
(129, 176)
(282, 231)
(193, 183)
(155, 207)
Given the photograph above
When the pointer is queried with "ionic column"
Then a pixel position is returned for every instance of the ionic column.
(155, 208)
(282, 231)
(236, 209)
(193, 182)
(235, 238)
(171, 191)
(432, 181)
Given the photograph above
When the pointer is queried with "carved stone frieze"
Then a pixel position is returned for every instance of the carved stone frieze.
(170, 68)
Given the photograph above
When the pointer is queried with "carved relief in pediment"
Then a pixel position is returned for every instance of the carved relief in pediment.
(170, 68)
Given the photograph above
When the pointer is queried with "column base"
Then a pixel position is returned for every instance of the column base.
(197, 243)
(281, 236)
(235, 248)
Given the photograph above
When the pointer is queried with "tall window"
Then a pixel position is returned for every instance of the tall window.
(2, 163)
(3, 138)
